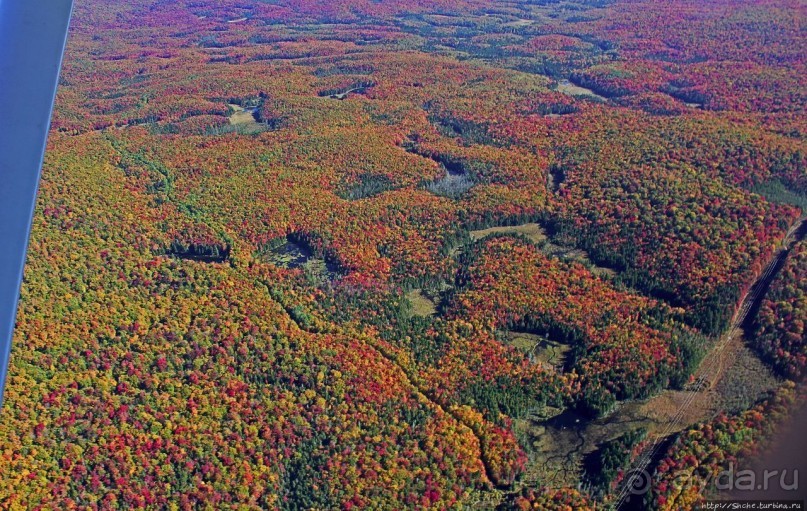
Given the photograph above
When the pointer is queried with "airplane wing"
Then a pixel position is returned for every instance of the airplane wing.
(32, 40)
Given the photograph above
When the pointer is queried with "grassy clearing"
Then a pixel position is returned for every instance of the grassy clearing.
(746, 380)
(244, 120)
(567, 87)
(575, 254)
(521, 23)
(540, 349)
(421, 305)
(533, 231)
(241, 115)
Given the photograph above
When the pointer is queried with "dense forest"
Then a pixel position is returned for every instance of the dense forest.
(779, 326)
(303, 254)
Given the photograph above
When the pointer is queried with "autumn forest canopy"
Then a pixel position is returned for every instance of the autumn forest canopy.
(307, 254)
